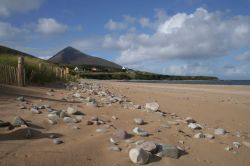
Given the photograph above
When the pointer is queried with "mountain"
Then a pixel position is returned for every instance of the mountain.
(70, 55)
(9, 51)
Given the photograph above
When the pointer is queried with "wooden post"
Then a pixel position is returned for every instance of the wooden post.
(67, 73)
(20, 76)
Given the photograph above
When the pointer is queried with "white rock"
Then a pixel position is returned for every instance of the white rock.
(194, 126)
(139, 121)
(71, 111)
(219, 131)
(237, 144)
(199, 135)
(209, 136)
(140, 131)
(138, 156)
(228, 148)
(152, 107)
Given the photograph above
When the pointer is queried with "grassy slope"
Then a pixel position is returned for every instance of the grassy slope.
(33, 75)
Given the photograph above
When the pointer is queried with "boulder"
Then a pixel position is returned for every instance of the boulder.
(152, 107)
(139, 156)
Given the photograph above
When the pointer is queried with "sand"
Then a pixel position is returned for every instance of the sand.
(210, 105)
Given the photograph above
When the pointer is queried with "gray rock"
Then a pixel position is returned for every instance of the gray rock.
(140, 132)
(121, 134)
(149, 146)
(35, 111)
(167, 150)
(138, 156)
(53, 117)
(18, 121)
(152, 107)
(139, 121)
(71, 111)
(219, 131)
(63, 114)
(52, 122)
(57, 141)
(209, 136)
(70, 120)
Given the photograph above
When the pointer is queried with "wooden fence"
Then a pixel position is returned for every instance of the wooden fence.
(9, 74)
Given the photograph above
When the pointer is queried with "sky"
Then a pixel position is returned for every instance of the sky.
(174, 37)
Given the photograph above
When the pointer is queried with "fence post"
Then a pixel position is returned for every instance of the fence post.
(20, 76)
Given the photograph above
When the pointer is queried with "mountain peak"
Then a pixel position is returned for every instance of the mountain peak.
(70, 55)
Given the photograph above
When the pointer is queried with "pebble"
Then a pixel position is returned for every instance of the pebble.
(114, 141)
(140, 132)
(228, 148)
(152, 107)
(237, 144)
(219, 131)
(209, 136)
(35, 111)
(114, 117)
(71, 111)
(194, 126)
(138, 121)
(138, 156)
(70, 120)
(57, 141)
(52, 122)
(53, 117)
(199, 135)
(121, 134)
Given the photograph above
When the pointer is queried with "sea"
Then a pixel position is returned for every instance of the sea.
(203, 82)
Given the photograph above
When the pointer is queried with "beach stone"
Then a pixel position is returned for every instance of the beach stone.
(168, 150)
(149, 146)
(70, 120)
(53, 117)
(63, 114)
(237, 144)
(199, 135)
(52, 122)
(138, 156)
(18, 121)
(152, 107)
(140, 132)
(139, 121)
(20, 98)
(247, 144)
(35, 111)
(228, 148)
(121, 134)
(194, 126)
(209, 136)
(71, 111)
(114, 148)
(57, 141)
(219, 131)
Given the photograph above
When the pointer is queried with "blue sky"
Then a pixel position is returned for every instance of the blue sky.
(192, 37)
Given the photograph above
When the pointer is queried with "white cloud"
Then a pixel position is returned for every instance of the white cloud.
(199, 35)
(115, 25)
(50, 26)
(7, 7)
(244, 56)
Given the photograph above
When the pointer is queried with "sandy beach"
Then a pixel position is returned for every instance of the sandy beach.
(212, 106)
